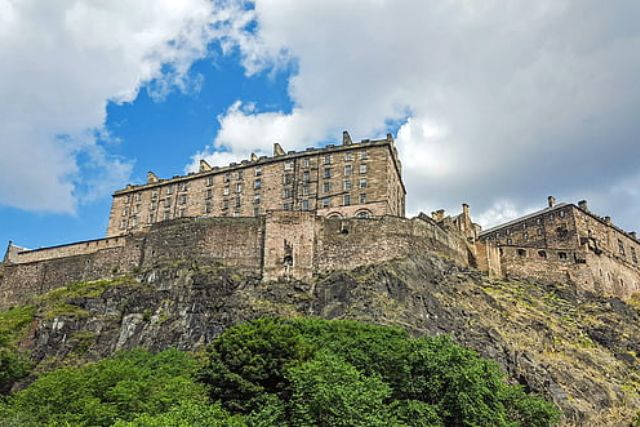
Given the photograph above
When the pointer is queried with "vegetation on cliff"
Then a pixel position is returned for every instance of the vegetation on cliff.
(298, 372)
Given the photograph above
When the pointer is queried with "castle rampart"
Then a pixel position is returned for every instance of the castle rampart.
(280, 244)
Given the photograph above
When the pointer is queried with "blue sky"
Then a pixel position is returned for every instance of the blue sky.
(491, 103)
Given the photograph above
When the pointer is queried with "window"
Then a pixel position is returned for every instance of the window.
(346, 200)
(347, 170)
(136, 208)
(508, 232)
(305, 205)
(154, 195)
(123, 224)
(305, 190)
(238, 202)
(346, 185)
(305, 176)
(620, 247)
(167, 215)
(287, 193)
(181, 213)
(182, 199)
(364, 155)
(225, 205)
(207, 207)
(239, 187)
(288, 179)
(240, 175)
(327, 173)
(363, 168)
(169, 189)
(127, 198)
(258, 171)
(138, 197)
(150, 218)
(326, 187)
(167, 202)
(509, 241)
(363, 198)
(209, 181)
(225, 191)
(363, 214)
(562, 214)
(288, 165)
(542, 254)
(257, 184)
(539, 231)
(326, 202)
(562, 255)
(209, 194)
(256, 199)
(134, 221)
(526, 235)
(287, 206)
(182, 186)
(363, 183)
(256, 211)
(305, 163)
(348, 156)
(538, 221)
(327, 159)
(634, 257)
(154, 206)
(522, 252)
(227, 177)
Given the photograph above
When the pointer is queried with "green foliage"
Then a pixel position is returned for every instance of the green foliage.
(119, 388)
(14, 364)
(319, 369)
(276, 372)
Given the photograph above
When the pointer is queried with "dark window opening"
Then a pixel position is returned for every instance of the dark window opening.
(542, 254)
(522, 252)
(562, 255)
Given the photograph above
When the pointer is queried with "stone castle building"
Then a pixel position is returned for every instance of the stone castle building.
(567, 242)
(361, 179)
(296, 215)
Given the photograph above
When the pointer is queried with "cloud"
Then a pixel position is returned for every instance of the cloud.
(497, 102)
(62, 62)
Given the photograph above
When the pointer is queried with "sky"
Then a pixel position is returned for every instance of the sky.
(495, 103)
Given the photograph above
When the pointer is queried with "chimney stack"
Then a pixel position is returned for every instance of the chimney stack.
(607, 219)
(346, 138)
(582, 204)
(552, 201)
(152, 177)
(277, 150)
(253, 157)
(465, 209)
(633, 234)
(438, 215)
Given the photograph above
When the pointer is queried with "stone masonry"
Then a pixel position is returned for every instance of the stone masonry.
(353, 179)
(567, 242)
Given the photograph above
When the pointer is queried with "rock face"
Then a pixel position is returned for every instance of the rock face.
(575, 347)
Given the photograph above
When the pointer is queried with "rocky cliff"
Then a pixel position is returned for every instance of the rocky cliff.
(575, 347)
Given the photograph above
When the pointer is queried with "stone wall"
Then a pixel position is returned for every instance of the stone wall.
(280, 244)
(79, 248)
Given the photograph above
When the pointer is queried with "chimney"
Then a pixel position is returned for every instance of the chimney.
(204, 166)
(582, 204)
(465, 209)
(552, 201)
(607, 219)
(152, 177)
(277, 150)
(254, 157)
(346, 138)
(389, 137)
(438, 215)
(633, 234)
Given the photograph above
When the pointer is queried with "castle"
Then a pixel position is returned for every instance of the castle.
(297, 215)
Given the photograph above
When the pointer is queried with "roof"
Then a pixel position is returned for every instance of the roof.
(524, 218)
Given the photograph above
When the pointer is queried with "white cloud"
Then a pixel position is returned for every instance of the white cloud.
(62, 62)
(499, 101)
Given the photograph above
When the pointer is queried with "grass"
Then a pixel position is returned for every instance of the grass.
(14, 322)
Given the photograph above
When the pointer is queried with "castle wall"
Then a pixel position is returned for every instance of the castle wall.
(280, 244)
(80, 248)
(487, 258)
(546, 265)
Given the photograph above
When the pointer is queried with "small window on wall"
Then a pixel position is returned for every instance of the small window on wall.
(348, 156)
(257, 199)
(363, 214)
(225, 191)
(327, 173)
(167, 215)
(305, 176)
(305, 205)
(138, 197)
(364, 168)
(209, 194)
(288, 165)
(209, 181)
(287, 206)
(327, 159)
(123, 224)
(634, 256)
(346, 185)
(305, 190)
(305, 163)
(562, 214)
(238, 202)
(326, 202)
(621, 247)
(509, 242)
(542, 254)
(522, 252)
(169, 189)
(562, 255)
(207, 208)
(326, 187)
(167, 203)
(348, 169)
(183, 199)
(364, 155)
(346, 200)
(240, 175)
(363, 198)
(258, 170)
(539, 231)
(256, 211)
(363, 183)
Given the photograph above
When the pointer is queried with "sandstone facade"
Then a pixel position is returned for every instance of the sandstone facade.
(354, 179)
(567, 242)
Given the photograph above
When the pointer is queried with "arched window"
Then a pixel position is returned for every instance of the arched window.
(334, 215)
(363, 214)
(542, 254)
